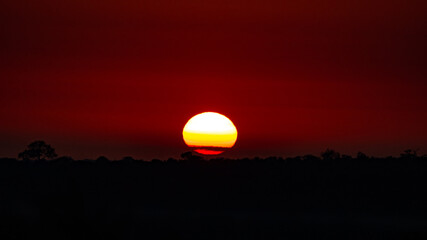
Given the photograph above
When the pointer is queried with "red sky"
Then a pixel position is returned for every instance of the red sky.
(119, 78)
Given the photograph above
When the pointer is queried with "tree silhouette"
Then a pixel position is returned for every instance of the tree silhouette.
(128, 159)
(330, 154)
(190, 157)
(187, 155)
(409, 153)
(267, 192)
(310, 158)
(361, 155)
(102, 159)
(38, 150)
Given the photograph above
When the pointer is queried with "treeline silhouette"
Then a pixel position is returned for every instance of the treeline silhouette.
(332, 196)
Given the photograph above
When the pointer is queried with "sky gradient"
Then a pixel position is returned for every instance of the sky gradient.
(121, 78)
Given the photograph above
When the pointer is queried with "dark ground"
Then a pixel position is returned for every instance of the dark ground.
(273, 198)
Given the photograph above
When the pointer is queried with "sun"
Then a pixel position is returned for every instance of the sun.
(209, 133)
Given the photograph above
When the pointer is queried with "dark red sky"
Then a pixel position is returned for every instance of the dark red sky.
(121, 78)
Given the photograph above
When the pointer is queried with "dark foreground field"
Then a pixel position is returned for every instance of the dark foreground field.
(274, 198)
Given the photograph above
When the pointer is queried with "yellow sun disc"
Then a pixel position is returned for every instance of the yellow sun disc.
(210, 133)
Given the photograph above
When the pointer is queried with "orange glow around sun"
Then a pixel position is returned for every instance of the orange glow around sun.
(210, 133)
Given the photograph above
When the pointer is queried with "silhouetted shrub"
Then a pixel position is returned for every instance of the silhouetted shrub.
(310, 158)
(330, 154)
(38, 150)
(409, 153)
(102, 159)
(127, 160)
(361, 155)
(189, 156)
